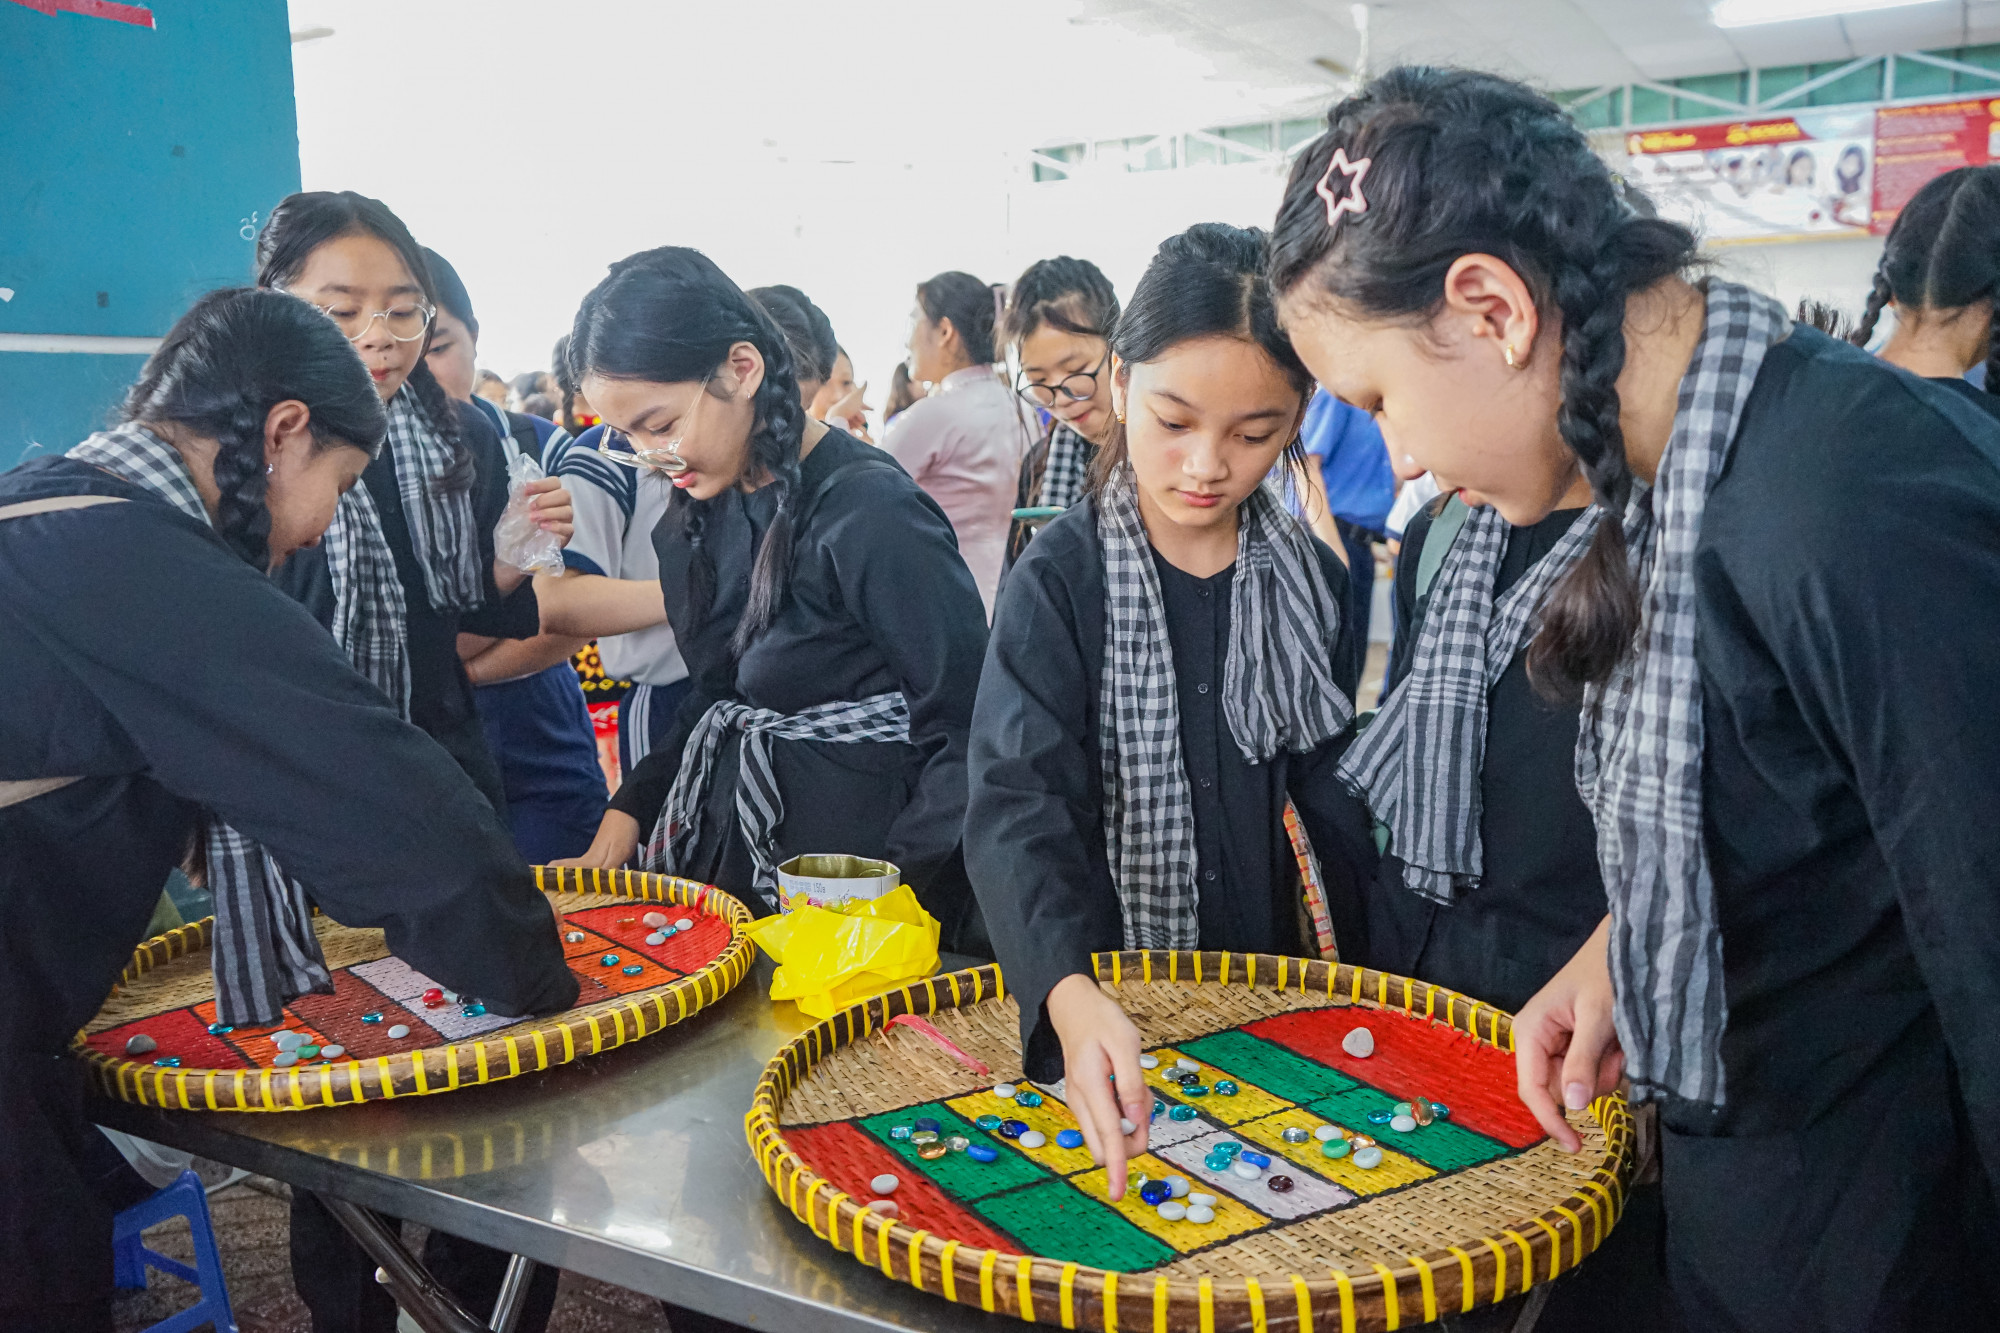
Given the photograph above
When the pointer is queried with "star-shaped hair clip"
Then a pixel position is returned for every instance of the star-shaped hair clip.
(1351, 173)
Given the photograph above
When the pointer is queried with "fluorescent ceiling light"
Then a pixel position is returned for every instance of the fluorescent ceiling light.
(1749, 13)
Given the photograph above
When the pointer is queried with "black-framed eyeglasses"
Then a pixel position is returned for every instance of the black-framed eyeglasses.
(1075, 388)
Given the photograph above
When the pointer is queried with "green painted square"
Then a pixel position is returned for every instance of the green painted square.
(1062, 1222)
(955, 1173)
(1443, 1145)
(1280, 1072)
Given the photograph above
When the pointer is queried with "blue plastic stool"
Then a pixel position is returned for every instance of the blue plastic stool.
(130, 1258)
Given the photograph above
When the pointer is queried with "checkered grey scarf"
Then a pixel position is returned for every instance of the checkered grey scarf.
(1638, 751)
(1065, 468)
(441, 522)
(1278, 693)
(1418, 763)
(759, 807)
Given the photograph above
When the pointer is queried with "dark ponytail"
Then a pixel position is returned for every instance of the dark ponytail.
(1072, 295)
(1463, 162)
(235, 355)
(972, 307)
(670, 316)
(808, 332)
(1943, 254)
(1206, 282)
(300, 224)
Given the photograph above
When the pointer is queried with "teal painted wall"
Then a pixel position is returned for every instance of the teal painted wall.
(135, 165)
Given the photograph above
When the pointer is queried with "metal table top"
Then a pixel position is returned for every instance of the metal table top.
(630, 1167)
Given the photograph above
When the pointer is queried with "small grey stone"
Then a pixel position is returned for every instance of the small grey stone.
(140, 1044)
(400, 1031)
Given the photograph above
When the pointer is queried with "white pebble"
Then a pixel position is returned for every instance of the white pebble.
(656, 938)
(400, 1031)
(884, 1207)
(1360, 1043)
(1173, 1210)
(1403, 1124)
(1185, 1063)
(1034, 1138)
(1326, 1133)
(1149, 1062)
(1245, 1170)
(1200, 1200)
(451, 996)
(1179, 1185)
(884, 1184)
(655, 919)
(1005, 1091)
(683, 924)
(140, 1044)
(287, 1039)
(285, 1059)
(1368, 1158)
(1126, 1126)
(332, 1052)
(573, 937)
(1200, 1214)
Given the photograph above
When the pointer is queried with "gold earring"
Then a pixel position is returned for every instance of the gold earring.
(1120, 416)
(1512, 363)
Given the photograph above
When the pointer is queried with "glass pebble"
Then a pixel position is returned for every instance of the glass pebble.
(1181, 1113)
(958, 1143)
(1136, 1179)
(1217, 1161)
(1182, 1076)
(899, 1132)
(451, 997)
(632, 970)
(1256, 1159)
(1280, 1184)
(930, 1152)
(1229, 1148)
(883, 1207)
(1333, 1148)
(1187, 1064)
(371, 1018)
(884, 1184)
(474, 1010)
(923, 1136)
(656, 938)
(1295, 1134)
(168, 1062)
(1173, 1210)
(1033, 1138)
(1159, 1108)
(399, 1031)
(989, 1123)
(1149, 1062)
(433, 998)
(1226, 1087)
(1244, 1170)
(332, 1052)
(1155, 1192)
(1201, 1214)
(573, 937)
(927, 1122)
(1071, 1138)
(140, 1044)
(1420, 1111)
(1401, 1108)
(669, 931)
(609, 960)
(1179, 1186)
(1195, 1090)
(1028, 1098)
(217, 1029)
(1380, 1117)
(1200, 1200)
(1368, 1158)
(1004, 1091)
(1440, 1110)
(1403, 1124)
(306, 1052)
(982, 1152)
(1361, 1141)
(655, 919)
(1011, 1129)
(284, 1040)
(1328, 1133)
(683, 924)
(285, 1059)
(1126, 1126)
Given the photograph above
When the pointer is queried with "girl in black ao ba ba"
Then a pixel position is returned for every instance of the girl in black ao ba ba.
(1794, 806)
(1160, 682)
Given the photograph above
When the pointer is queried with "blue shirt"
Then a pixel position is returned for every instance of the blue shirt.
(1353, 461)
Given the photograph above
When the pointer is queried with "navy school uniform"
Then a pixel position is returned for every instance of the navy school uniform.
(150, 660)
(1034, 839)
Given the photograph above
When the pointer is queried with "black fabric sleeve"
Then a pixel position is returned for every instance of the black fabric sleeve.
(1403, 651)
(1034, 838)
(516, 615)
(241, 702)
(896, 563)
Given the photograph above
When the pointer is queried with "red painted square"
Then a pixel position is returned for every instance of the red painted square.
(850, 1158)
(179, 1032)
(338, 1017)
(1414, 1056)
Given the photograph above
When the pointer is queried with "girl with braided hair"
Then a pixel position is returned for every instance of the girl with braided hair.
(831, 631)
(1794, 808)
(1940, 275)
(159, 680)
(1058, 325)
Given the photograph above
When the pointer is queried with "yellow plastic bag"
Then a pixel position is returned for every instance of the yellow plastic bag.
(830, 959)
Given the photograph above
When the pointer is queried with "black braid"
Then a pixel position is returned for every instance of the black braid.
(1879, 297)
(240, 478)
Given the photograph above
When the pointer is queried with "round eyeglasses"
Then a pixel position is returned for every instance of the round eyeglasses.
(404, 323)
(1075, 388)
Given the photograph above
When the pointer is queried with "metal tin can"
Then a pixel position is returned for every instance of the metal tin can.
(824, 879)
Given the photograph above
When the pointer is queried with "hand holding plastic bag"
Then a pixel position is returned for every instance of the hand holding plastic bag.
(517, 539)
(828, 960)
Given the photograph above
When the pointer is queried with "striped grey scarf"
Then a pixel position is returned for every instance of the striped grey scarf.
(759, 807)
(442, 528)
(1278, 693)
(1418, 763)
(1065, 468)
(1639, 748)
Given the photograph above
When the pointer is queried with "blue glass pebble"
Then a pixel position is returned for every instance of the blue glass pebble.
(217, 1029)
(1256, 1159)
(609, 960)
(899, 1132)
(371, 1018)
(633, 970)
(1027, 1098)
(927, 1122)
(1380, 1117)
(1218, 1161)
(169, 1062)
(1440, 1110)
(1013, 1129)
(1156, 1192)
(1181, 1113)
(1229, 1148)
(989, 1123)
(1158, 1108)
(474, 1010)
(1195, 1090)
(1226, 1087)
(1069, 1138)
(982, 1152)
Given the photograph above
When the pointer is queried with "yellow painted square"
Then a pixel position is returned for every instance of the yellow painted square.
(1249, 1103)
(1051, 1118)
(1397, 1169)
(1233, 1217)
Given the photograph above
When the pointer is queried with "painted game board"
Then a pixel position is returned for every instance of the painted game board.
(645, 986)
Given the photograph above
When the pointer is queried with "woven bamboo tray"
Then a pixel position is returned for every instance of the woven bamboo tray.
(1466, 1212)
(167, 994)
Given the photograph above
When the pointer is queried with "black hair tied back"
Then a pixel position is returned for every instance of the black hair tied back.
(1942, 255)
(670, 316)
(235, 355)
(1064, 293)
(1462, 163)
(970, 305)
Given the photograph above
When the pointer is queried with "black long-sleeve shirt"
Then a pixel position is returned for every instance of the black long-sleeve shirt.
(145, 657)
(879, 600)
(1034, 838)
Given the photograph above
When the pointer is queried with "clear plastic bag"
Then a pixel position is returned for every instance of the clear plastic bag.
(516, 539)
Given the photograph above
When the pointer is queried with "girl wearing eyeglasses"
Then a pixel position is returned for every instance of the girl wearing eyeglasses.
(832, 632)
(1058, 324)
